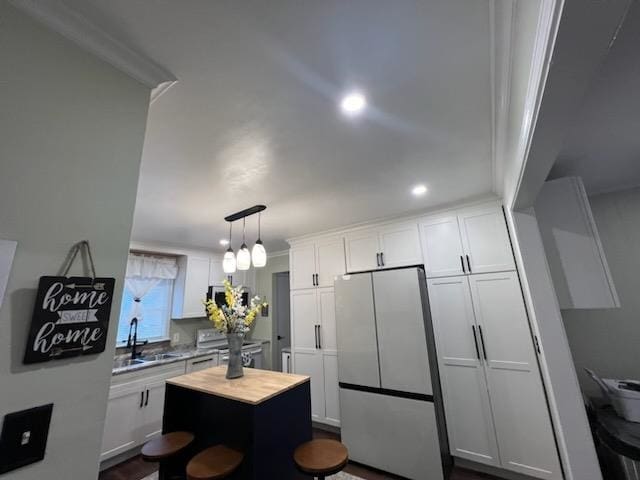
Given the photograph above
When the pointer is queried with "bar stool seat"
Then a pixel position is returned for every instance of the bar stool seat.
(321, 457)
(214, 463)
(166, 446)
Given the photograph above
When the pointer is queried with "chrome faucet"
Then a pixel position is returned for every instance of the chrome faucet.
(132, 343)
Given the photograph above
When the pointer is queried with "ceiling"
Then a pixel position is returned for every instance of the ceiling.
(254, 115)
(603, 145)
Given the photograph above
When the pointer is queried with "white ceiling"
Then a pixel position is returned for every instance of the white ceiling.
(254, 117)
(603, 146)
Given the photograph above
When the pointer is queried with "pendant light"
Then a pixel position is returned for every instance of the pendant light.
(229, 259)
(258, 253)
(244, 256)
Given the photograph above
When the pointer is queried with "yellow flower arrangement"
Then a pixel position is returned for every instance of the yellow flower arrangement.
(233, 317)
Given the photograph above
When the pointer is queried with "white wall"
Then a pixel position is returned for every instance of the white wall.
(71, 136)
(607, 340)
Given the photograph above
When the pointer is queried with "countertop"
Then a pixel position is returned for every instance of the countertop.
(181, 354)
(254, 387)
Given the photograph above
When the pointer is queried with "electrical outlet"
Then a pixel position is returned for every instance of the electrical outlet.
(176, 337)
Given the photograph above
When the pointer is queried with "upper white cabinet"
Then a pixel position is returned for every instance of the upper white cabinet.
(467, 241)
(190, 287)
(316, 264)
(578, 266)
(442, 246)
(387, 246)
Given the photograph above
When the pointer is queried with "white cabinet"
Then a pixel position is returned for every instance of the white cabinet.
(119, 435)
(442, 246)
(135, 408)
(313, 348)
(190, 287)
(388, 246)
(485, 239)
(467, 241)
(316, 264)
(304, 313)
(493, 396)
(286, 362)
(202, 363)
(303, 266)
(362, 250)
(310, 363)
(577, 262)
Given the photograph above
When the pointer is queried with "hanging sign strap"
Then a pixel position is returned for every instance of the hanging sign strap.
(73, 253)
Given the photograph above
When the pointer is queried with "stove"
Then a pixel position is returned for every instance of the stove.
(210, 339)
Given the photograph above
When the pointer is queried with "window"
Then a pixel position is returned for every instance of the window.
(156, 305)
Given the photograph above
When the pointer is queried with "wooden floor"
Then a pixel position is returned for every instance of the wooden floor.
(136, 468)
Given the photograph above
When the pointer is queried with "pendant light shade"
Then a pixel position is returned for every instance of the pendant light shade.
(229, 259)
(244, 256)
(258, 253)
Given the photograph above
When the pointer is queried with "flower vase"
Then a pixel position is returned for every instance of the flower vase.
(234, 367)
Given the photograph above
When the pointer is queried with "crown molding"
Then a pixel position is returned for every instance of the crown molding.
(62, 19)
(501, 21)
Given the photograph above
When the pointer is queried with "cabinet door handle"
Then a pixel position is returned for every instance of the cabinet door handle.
(141, 399)
(317, 280)
(484, 347)
(469, 265)
(319, 338)
(462, 263)
(288, 363)
(382, 258)
(146, 402)
(475, 340)
(315, 333)
(378, 259)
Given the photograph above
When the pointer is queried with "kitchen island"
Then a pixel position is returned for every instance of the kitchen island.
(263, 414)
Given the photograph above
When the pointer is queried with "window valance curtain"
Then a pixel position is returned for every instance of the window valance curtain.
(143, 273)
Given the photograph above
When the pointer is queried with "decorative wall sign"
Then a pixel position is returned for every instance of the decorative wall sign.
(7, 251)
(70, 317)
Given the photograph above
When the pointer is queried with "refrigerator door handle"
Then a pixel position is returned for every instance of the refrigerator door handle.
(475, 341)
(484, 347)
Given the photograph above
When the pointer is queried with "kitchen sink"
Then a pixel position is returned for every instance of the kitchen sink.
(160, 356)
(127, 362)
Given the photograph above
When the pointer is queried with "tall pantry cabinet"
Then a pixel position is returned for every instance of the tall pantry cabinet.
(494, 399)
(313, 266)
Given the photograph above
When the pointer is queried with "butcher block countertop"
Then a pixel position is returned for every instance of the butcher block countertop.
(254, 387)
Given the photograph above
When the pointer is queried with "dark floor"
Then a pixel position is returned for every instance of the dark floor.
(135, 468)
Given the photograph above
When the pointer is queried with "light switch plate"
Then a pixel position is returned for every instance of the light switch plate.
(24, 437)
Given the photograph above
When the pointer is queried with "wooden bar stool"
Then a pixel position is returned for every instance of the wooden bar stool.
(321, 457)
(166, 447)
(214, 463)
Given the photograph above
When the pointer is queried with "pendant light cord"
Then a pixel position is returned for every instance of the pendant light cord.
(244, 226)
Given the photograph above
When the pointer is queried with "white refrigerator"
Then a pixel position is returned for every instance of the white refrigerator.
(390, 400)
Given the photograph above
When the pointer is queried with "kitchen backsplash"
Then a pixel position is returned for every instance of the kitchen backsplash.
(187, 330)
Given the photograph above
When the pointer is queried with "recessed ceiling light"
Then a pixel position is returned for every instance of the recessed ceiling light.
(224, 242)
(419, 190)
(353, 103)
